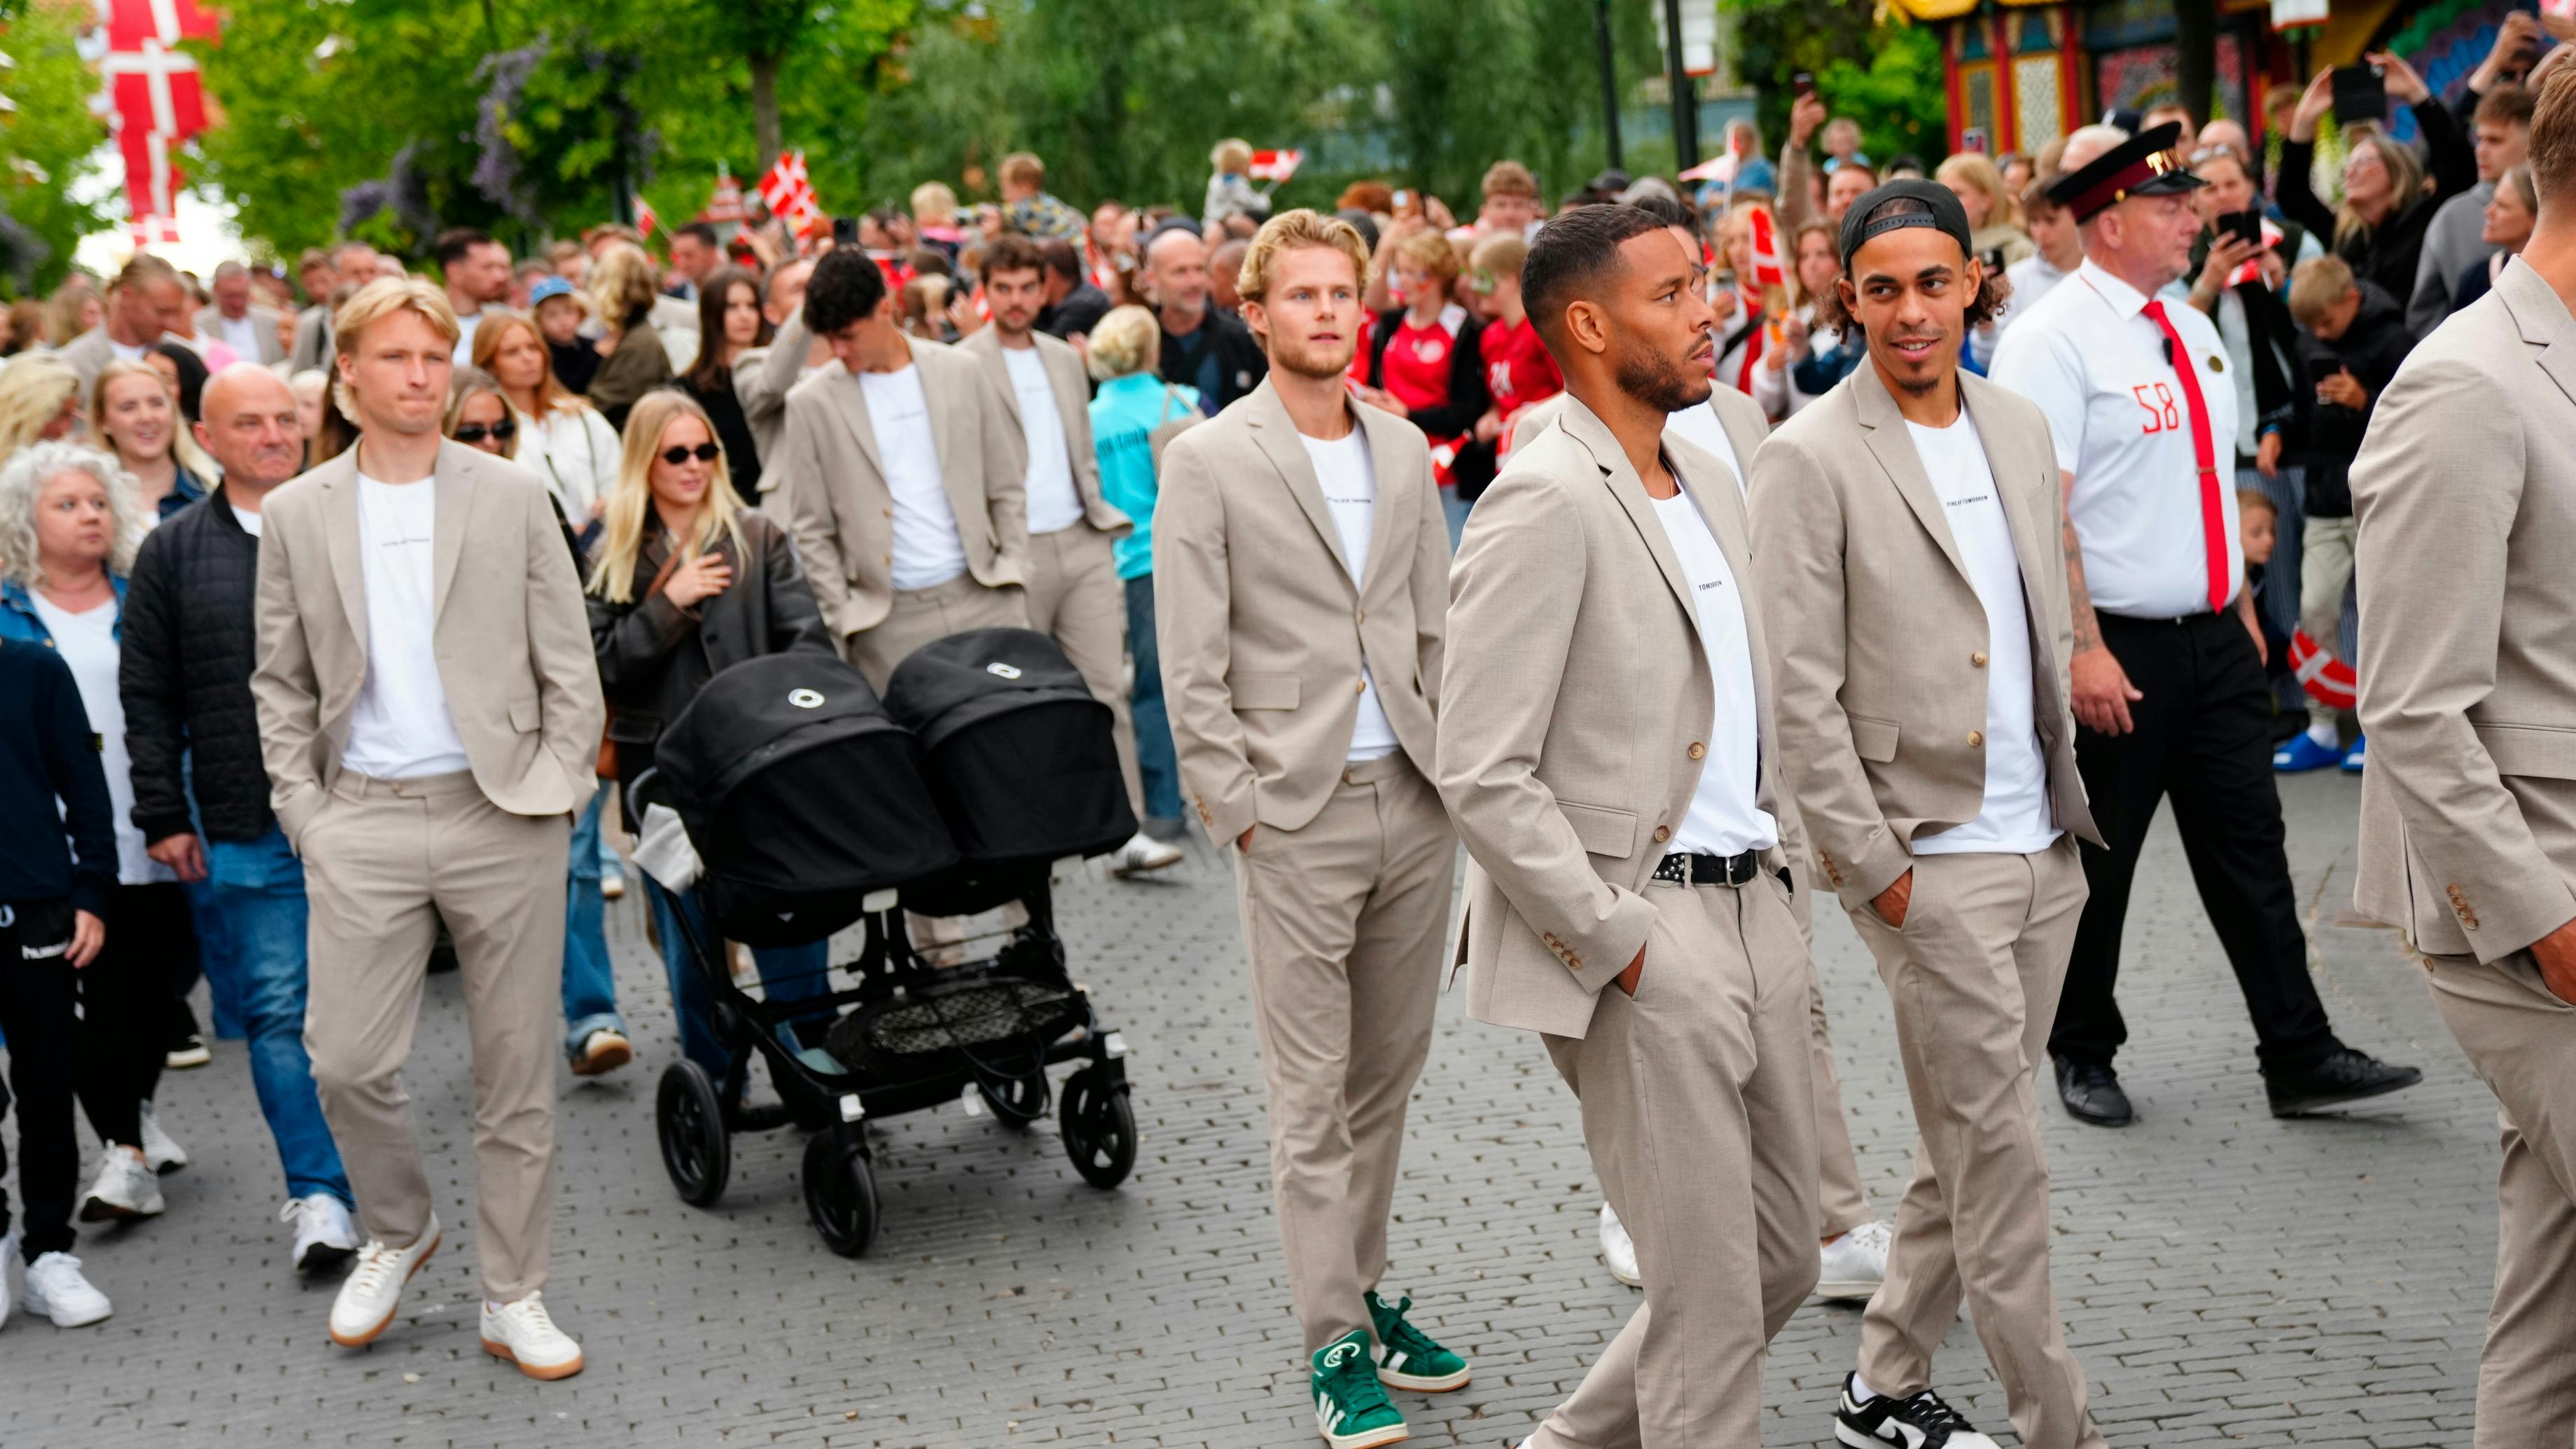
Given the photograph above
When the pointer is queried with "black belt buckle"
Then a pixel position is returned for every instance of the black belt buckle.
(1725, 870)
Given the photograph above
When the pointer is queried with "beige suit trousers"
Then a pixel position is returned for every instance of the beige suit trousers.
(1076, 598)
(384, 862)
(1343, 921)
(1974, 976)
(1842, 1200)
(1701, 1123)
(922, 615)
(2522, 1041)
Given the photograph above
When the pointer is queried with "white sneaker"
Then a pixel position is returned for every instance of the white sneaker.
(522, 1333)
(1618, 1249)
(125, 1188)
(373, 1289)
(56, 1289)
(324, 1236)
(160, 1153)
(1854, 1264)
(1142, 853)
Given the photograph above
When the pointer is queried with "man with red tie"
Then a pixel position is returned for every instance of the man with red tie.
(2168, 661)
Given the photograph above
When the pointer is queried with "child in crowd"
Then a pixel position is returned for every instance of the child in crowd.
(1518, 369)
(2258, 523)
(1229, 191)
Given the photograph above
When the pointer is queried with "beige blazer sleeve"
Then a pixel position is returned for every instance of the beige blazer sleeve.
(285, 688)
(569, 701)
(761, 383)
(1515, 593)
(814, 512)
(1193, 613)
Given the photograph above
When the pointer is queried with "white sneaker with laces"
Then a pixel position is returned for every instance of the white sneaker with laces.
(160, 1152)
(56, 1289)
(1142, 853)
(522, 1333)
(373, 1289)
(1618, 1249)
(125, 1188)
(324, 1236)
(1854, 1264)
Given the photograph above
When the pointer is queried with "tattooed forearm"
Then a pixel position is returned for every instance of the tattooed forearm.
(2088, 629)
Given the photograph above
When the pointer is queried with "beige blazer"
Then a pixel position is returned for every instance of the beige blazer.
(512, 636)
(1263, 634)
(89, 354)
(844, 511)
(313, 345)
(2465, 495)
(1072, 404)
(210, 323)
(1878, 641)
(1577, 700)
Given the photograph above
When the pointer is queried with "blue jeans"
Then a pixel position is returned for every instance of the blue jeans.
(257, 887)
(787, 973)
(589, 984)
(1156, 761)
(1453, 511)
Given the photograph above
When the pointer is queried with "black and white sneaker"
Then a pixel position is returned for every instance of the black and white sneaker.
(1919, 1422)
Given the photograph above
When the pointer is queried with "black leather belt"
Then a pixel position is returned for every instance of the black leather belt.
(1725, 870)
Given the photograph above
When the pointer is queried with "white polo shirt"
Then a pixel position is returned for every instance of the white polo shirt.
(2095, 363)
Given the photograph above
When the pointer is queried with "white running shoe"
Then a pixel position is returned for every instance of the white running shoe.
(324, 1236)
(373, 1289)
(1854, 1264)
(1142, 853)
(56, 1289)
(125, 1188)
(160, 1152)
(1618, 1249)
(522, 1333)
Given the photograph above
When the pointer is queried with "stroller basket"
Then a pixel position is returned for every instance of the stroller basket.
(924, 1030)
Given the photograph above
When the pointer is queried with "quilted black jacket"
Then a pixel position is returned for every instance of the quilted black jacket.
(188, 648)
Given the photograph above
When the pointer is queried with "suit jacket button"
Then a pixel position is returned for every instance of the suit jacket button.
(889, 512)
(1363, 617)
(1361, 687)
(1698, 750)
(1663, 833)
(1978, 659)
(1976, 739)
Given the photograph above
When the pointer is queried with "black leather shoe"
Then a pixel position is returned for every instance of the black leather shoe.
(2092, 1094)
(2347, 1076)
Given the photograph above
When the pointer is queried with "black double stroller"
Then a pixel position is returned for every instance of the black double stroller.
(812, 805)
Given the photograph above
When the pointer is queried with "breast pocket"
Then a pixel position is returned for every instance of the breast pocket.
(1874, 739)
(1602, 830)
(525, 715)
(1263, 691)
(2532, 751)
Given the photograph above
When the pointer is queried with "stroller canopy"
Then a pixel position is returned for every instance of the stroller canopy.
(1022, 757)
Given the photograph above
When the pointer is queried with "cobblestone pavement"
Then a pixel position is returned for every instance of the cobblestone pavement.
(2226, 1278)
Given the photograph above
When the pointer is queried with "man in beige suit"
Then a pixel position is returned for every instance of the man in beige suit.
(1074, 593)
(1301, 569)
(1919, 634)
(763, 376)
(903, 470)
(2465, 492)
(429, 710)
(1607, 752)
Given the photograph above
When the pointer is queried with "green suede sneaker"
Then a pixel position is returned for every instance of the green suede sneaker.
(1406, 1356)
(1351, 1410)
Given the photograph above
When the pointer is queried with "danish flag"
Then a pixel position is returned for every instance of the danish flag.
(645, 219)
(2328, 680)
(1767, 269)
(1275, 165)
(724, 204)
(789, 195)
(156, 101)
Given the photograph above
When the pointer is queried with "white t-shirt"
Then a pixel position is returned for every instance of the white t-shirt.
(87, 642)
(927, 548)
(400, 727)
(1725, 817)
(1349, 478)
(1699, 426)
(241, 333)
(247, 518)
(2015, 818)
(125, 353)
(1053, 504)
(465, 325)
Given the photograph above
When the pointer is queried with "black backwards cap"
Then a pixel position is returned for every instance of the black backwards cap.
(1938, 207)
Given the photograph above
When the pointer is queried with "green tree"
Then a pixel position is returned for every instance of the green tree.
(47, 142)
(1885, 76)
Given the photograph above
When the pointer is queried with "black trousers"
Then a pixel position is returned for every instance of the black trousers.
(2203, 739)
(37, 997)
(126, 1005)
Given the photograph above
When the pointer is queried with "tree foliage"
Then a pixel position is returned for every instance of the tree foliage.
(1886, 77)
(46, 149)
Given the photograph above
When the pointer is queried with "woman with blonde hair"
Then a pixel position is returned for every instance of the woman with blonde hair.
(622, 294)
(75, 308)
(134, 411)
(1992, 233)
(559, 435)
(69, 526)
(39, 402)
(685, 582)
(2388, 203)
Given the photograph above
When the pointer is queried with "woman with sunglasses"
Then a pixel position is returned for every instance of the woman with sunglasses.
(684, 582)
(479, 415)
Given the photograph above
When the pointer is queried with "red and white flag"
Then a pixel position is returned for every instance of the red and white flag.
(2251, 269)
(724, 204)
(789, 195)
(1767, 269)
(645, 220)
(156, 102)
(1275, 165)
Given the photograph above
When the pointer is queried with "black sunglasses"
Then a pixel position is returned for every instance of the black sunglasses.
(477, 432)
(703, 452)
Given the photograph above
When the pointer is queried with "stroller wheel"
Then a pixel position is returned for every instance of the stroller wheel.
(1017, 1101)
(840, 1191)
(1099, 1129)
(696, 1148)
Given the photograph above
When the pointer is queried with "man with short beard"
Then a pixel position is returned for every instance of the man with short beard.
(1907, 525)
(1203, 347)
(143, 302)
(1301, 570)
(1607, 751)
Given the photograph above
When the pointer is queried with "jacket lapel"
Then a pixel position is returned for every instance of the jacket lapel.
(340, 529)
(987, 347)
(1276, 435)
(455, 484)
(2032, 544)
(1391, 524)
(1073, 405)
(853, 412)
(1586, 427)
(952, 412)
(1884, 428)
(1745, 429)
(2544, 320)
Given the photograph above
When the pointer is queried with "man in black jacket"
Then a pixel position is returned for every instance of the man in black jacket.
(1203, 348)
(192, 730)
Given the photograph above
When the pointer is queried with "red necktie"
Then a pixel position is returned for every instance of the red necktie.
(2213, 512)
